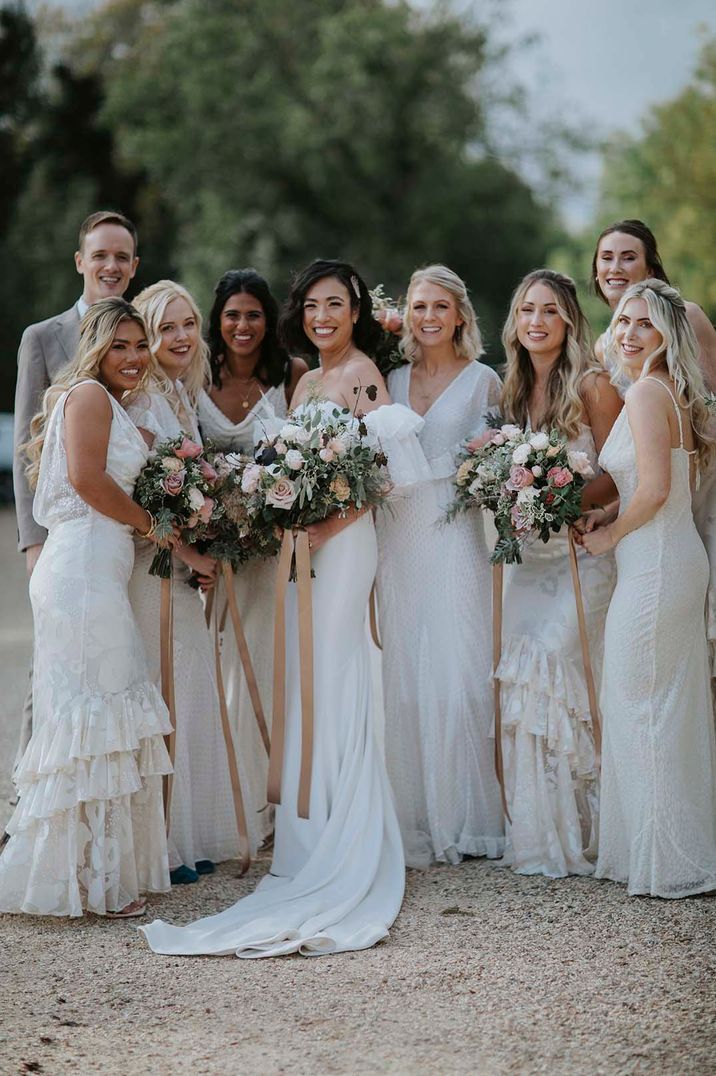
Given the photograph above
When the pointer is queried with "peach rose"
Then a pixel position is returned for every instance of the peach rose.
(520, 478)
(341, 487)
(188, 450)
(560, 476)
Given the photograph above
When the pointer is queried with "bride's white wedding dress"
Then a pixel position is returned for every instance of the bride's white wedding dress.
(337, 878)
(658, 800)
(88, 832)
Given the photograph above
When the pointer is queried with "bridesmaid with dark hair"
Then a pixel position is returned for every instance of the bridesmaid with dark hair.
(252, 380)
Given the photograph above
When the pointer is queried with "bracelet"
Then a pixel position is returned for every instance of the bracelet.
(152, 527)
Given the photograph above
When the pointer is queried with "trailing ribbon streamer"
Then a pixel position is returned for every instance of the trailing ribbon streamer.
(239, 809)
(497, 578)
(373, 616)
(584, 641)
(294, 545)
(244, 654)
(166, 652)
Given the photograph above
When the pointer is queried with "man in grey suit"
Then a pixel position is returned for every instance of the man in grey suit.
(106, 260)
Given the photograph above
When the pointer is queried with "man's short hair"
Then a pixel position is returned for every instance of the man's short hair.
(107, 216)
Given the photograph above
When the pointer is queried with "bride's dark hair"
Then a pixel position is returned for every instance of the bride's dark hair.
(367, 333)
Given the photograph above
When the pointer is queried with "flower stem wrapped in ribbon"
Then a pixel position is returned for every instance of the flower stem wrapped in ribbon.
(531, 482)
(178, 486)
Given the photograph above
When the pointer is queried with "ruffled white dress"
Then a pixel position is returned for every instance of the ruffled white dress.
(337, 878)
(202, 817)
(434, 595)
(88, 832)
(550, 767)
(658, 808)
(254, 586)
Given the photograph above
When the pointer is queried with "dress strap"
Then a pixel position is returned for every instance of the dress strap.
(676, 408)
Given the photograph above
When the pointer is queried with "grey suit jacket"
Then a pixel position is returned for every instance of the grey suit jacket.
(44, 349)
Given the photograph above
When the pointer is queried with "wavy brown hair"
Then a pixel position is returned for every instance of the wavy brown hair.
(565, 406)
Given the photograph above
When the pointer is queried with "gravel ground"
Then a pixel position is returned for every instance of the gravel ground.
(484, 972)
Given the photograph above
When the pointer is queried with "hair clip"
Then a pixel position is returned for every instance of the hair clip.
(356, 288)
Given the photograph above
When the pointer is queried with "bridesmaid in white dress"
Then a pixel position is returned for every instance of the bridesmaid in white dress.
(252, 380)
(337, 878)
(626, 253)
(203, 828)
(550, 762)
(658, 827)
(88, 833)
(434, 594)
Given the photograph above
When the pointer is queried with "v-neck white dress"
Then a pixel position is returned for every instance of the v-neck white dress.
(255, 595)
(434, 595)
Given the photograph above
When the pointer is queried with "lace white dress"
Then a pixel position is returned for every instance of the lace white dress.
(254, 585)
(202, 818)
(658, 810)
(550, 767)
(434, 595)
(88, 832)
(337, 878)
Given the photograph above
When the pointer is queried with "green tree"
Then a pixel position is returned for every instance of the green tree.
(284, 131)
(667, 176)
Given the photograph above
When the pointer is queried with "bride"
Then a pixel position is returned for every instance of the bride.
(337, 878)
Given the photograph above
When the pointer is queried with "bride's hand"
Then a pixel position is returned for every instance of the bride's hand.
(598, 541)
(595, 517)
(320, 533)
(204, 567)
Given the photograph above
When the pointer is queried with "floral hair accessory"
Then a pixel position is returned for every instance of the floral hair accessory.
(355, 286)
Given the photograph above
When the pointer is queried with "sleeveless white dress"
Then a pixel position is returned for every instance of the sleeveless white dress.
(434, 595)
(88, 832)
(337, 878)
(550, 765)
(202, 818)
(658, 810)
(254, 585)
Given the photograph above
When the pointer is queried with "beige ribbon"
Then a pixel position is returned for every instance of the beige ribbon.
(373, 616)
(293, 545)
(166, 662)
(497, 581)
(244, 654)
(584, 641)
(239, 809)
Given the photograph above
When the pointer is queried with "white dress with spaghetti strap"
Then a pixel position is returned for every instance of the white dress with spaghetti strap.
(254, 585)
(88, 832)
(202, 817)
(658, 801)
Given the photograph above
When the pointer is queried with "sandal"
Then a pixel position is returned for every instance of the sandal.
(130, 911)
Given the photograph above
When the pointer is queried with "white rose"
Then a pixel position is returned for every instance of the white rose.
(250, 478)
(510, 430)
(521, 455)
(539, 441)
(527, 494)
(294, 459)
(289, 431)
(196, 499)
(302, 436)
(327, 454)
(579, 462)
(536, 470)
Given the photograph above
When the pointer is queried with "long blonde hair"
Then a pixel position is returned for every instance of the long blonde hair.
(678, 351)
(152, 303)
(565, 406)
(98, 329)
(467, 340)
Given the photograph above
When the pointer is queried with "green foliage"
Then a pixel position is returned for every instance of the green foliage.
(667, 176)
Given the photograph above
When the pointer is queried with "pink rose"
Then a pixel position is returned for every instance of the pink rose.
(206, 509)
(481, 440)
(560, 476)
(173, 482)
(188, 450)
(282, 494)
(520, 478)
(207, 471)
(250, 478)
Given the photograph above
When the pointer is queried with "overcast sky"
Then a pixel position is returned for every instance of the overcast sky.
(603, 62)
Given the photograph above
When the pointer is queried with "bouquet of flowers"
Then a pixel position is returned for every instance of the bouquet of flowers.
(177, 486)
(531, 482)
(322, 461)
(240, 533)
(389, 313)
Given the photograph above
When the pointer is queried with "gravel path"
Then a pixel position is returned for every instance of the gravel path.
(484, 973)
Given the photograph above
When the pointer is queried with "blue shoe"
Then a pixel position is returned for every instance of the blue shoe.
(183, 876)
(204, 866)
